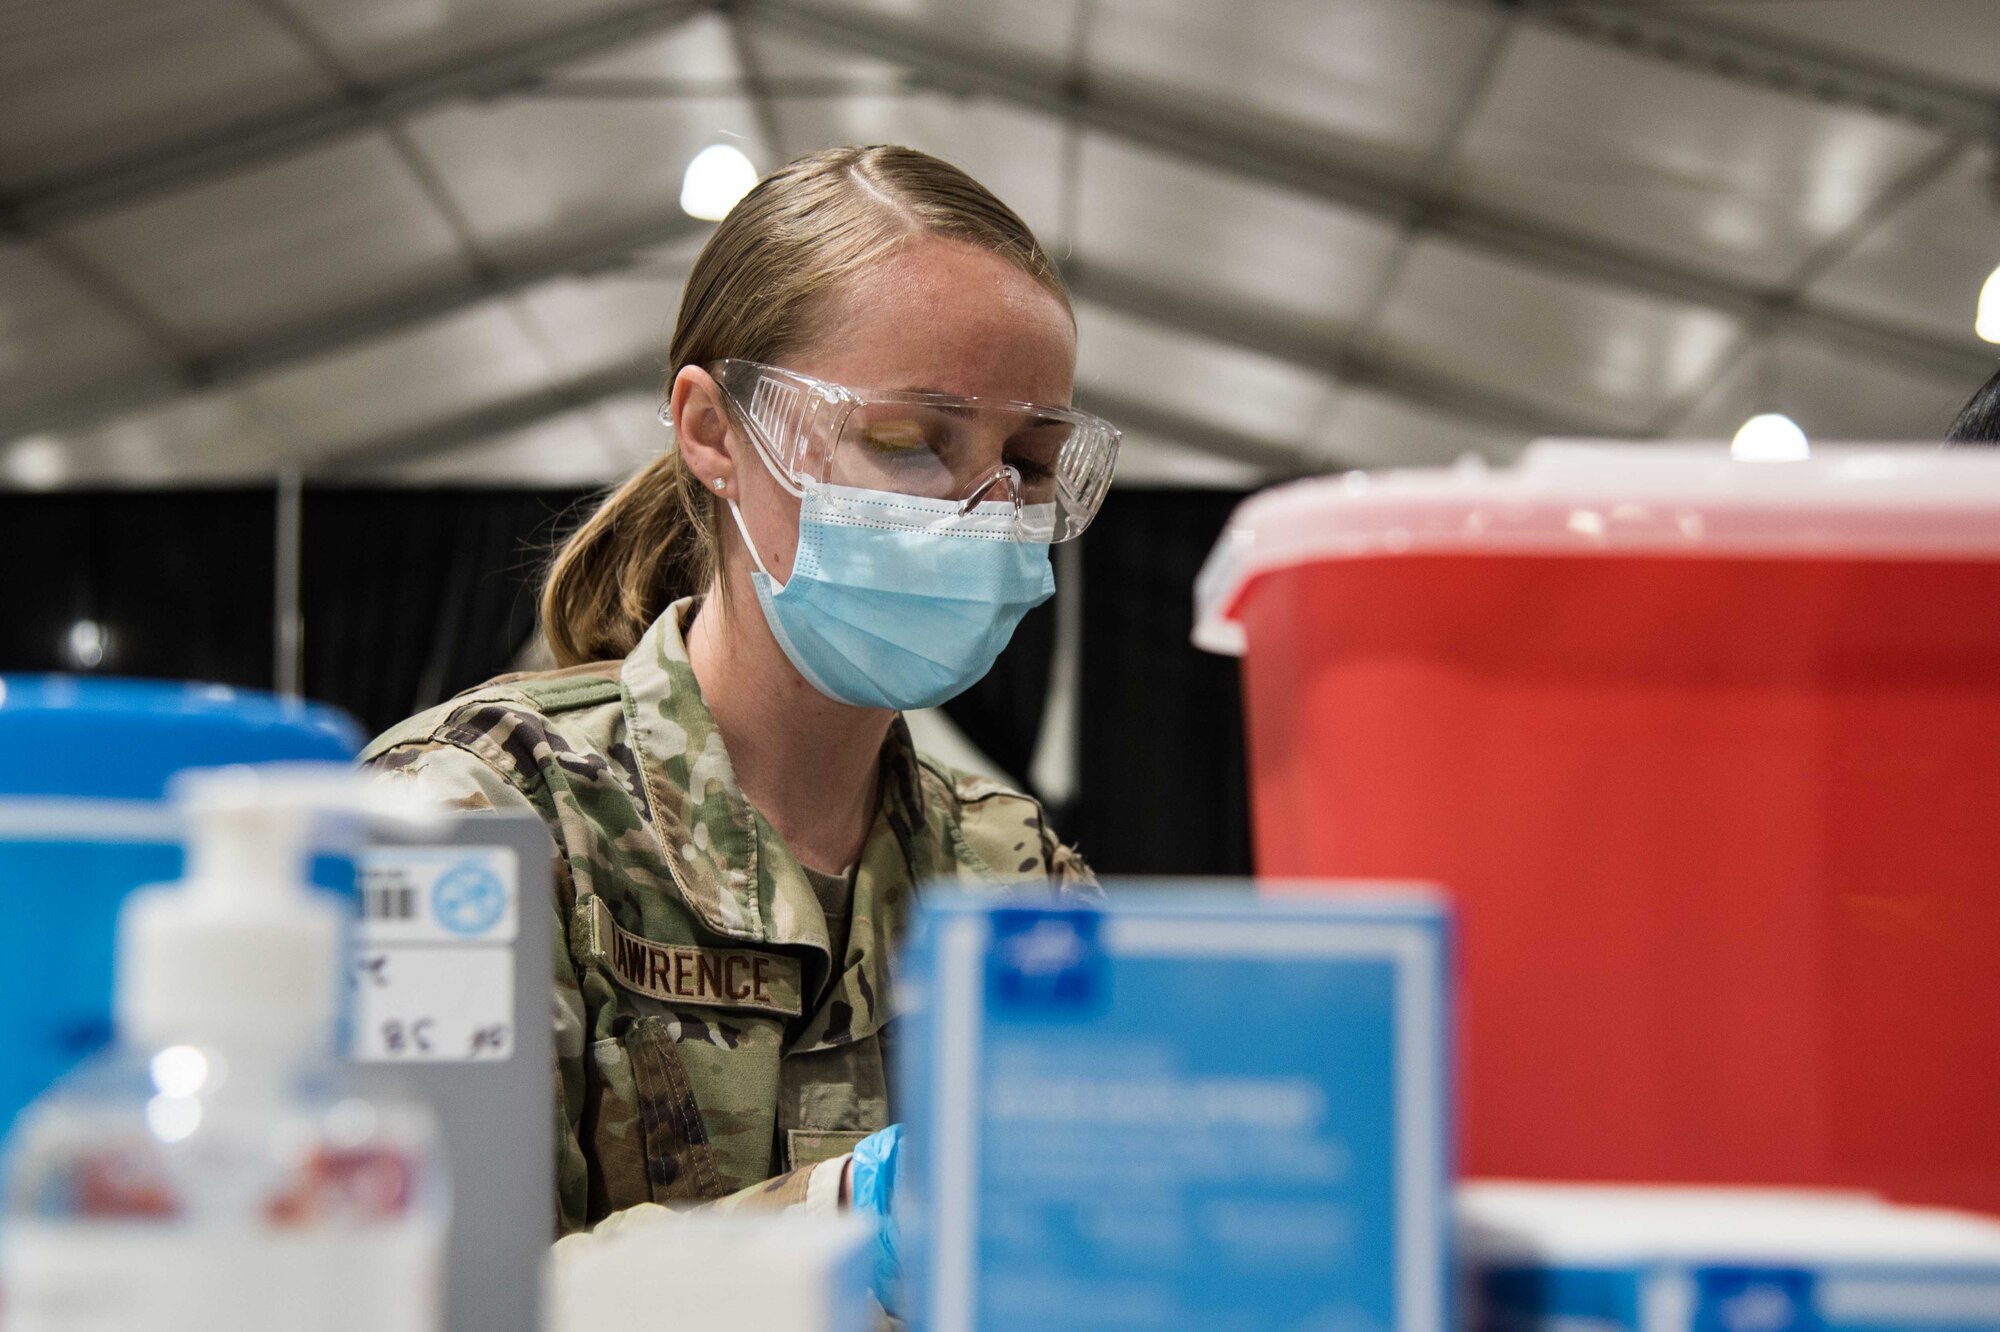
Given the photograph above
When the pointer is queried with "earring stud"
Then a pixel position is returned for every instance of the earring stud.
(720, 484)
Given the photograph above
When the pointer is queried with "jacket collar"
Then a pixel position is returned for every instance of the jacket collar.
(734, 872)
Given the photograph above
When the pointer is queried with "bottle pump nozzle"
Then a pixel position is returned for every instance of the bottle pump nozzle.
(244, 949)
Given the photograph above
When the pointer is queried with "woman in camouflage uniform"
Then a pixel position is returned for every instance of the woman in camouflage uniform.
(736, 848)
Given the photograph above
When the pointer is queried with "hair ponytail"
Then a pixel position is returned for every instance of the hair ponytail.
(755, 292)
(646, 546)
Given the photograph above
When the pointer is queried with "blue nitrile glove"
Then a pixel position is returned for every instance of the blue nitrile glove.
(873, 1187)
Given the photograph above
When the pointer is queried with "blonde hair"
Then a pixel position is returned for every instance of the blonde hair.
(757, 291)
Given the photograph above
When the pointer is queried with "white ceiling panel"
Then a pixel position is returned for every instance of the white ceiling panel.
(1014, 153)
(590, 323)
(1925, 265)
(248, 250)
(1568, 345)
(1950, 40)
(222, 262)
(379, 38)
(698, 48)
(1675, 161)
(1372, 430)
(1037, 27)
(523, 169)
(1228, 239)
(567, 450)
(398, 383)
(1832, 395)
(206, 438)
(1203, 381)
(1146, 461)
(600, 146)
(781, 57)
(85, 80)
(1384, 76)
(55, 337)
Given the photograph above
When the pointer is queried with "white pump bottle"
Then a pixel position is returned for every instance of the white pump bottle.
(214, 1171)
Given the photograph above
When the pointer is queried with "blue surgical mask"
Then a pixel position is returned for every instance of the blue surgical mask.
(897, 615)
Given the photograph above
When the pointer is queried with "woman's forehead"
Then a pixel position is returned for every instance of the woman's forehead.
(947, 317)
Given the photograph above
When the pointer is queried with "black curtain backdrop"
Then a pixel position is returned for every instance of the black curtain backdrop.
(408, 596)
(1161, 771)
(181, 581)
(412, 595)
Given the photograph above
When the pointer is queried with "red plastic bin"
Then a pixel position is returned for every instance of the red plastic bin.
(1709, 755)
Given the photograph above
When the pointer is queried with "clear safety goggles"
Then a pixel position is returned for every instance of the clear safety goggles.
(970, 461)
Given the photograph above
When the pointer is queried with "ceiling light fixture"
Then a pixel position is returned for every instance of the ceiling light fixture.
(1770, 437)
(37, 462)
(1987, 323)
(718, 176)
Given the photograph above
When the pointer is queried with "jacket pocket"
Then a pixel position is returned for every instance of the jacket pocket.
(732, 1061)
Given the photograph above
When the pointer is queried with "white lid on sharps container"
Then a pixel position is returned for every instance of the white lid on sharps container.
(1511, 1221)
(244, 949)
(1575, 498)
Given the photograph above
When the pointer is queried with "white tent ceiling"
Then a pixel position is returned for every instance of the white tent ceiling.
(439, 240)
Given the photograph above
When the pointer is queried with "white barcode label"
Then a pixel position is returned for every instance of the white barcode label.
(439, 895)
(433, 971)
(392, 902)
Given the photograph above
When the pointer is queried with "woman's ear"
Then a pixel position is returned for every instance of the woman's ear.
(702, 430)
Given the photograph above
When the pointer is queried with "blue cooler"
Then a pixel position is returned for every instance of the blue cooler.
(84, 765)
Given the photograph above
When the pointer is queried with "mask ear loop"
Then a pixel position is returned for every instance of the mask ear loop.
(750, 544)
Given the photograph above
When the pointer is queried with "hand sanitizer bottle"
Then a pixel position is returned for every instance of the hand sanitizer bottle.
(214, 1172)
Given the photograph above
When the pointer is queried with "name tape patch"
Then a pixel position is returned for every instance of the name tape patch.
(711, 977)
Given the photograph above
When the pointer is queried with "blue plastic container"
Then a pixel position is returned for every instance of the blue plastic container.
(84, 764)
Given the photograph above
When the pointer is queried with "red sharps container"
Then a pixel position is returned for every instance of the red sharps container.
(1708, 753)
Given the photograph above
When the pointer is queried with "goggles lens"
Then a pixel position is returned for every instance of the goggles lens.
(1053, 463)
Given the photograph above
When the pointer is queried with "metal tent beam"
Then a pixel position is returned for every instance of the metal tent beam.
(483, 423)
(343, 329)
(1807, 70)
(1158, 119)
(1253, 330)
(162, 168)
(1285, 340)
(1147, 418)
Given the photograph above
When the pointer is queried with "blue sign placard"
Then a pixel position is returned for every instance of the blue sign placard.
(1172, 1112)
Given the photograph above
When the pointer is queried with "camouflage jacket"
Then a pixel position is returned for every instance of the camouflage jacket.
(707, 1043)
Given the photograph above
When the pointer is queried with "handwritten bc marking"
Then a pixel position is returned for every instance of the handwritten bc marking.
(711, 977)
